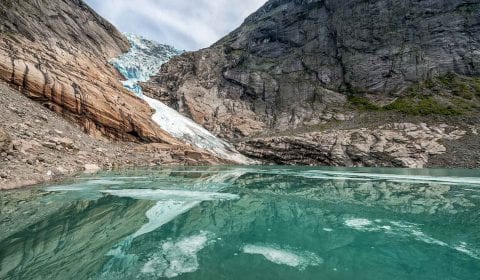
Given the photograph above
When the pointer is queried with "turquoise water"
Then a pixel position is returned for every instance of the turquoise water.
(246, 223)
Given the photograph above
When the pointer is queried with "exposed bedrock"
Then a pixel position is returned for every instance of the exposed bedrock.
(293, 63)
(395, 145)
(57, 52)
(304, 64)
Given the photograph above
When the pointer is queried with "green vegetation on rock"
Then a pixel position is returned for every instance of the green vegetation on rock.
(413, 105)
(363, 103)
(447, 95)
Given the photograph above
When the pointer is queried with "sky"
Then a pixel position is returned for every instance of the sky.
(184, 24)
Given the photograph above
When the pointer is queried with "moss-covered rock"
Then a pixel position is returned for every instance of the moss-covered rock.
(447, 95)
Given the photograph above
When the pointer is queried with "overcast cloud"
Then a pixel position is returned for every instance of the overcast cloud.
(184, 24)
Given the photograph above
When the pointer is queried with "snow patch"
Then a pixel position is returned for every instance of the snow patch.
(144, 60)
(358, 224)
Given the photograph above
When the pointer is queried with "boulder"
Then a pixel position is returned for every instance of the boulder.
(5, 141)
(91, 168)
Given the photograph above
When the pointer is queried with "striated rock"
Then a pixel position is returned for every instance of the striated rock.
(37, 149)
(395, 145)
(292, 63)
(57, 52)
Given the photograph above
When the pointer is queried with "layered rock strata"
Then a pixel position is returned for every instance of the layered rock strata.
(57, 52)
(394, 145)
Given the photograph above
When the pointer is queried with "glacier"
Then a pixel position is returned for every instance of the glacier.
(143, 60)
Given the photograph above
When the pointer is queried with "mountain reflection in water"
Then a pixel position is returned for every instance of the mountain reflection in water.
(246, 222)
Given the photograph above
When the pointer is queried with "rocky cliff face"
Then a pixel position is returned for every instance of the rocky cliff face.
(293, 63)
(296, 64)
(57, 53)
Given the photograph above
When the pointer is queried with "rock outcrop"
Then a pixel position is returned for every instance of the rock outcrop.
(57, 52)
(295, 64)
(38, 146)
(395, 145)
(5, 141)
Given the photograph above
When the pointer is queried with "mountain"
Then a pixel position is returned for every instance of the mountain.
(142, 61)
(57, 53)
(349, 82)
(63, 108)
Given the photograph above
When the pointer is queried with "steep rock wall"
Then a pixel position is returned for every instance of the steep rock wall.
(57, 52)
(293, 63)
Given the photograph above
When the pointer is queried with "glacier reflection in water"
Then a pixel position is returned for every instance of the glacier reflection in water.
(246, 223)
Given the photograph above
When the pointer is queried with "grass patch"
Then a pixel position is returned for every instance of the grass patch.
(447, 95)
(363, 103)
(422, 106)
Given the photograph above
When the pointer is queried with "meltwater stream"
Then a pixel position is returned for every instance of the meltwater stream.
(246, 223)
(144, 60)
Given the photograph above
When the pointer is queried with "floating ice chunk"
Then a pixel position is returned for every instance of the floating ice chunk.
(280, 256)
(359, 224)
(85, 185)
(176, 195)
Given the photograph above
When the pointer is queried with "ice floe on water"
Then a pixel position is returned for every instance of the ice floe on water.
(92, 183)
(399, 178)
(359, 224)
(180, 195)
(176, 258)
(405, 229)
(278, 255)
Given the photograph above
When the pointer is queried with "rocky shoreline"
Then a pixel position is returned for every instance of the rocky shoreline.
(391, 145)
(37, 146)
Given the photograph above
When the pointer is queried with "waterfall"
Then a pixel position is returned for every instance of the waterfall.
(144, 60)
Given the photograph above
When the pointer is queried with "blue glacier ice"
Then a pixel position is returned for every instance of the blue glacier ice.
(143, 60)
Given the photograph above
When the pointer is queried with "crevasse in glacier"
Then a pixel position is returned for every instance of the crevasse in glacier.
(144, 60)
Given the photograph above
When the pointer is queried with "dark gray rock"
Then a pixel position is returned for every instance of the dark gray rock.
(293, 62)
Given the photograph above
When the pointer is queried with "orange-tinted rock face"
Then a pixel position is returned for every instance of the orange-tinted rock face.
(57, 52)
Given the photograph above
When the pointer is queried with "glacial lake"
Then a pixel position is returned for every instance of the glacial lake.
(246, 223)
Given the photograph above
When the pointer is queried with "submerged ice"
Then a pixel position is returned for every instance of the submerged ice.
(406, 230)
(275, 254)
(246, 222)
(176, 258)
(144, 60)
